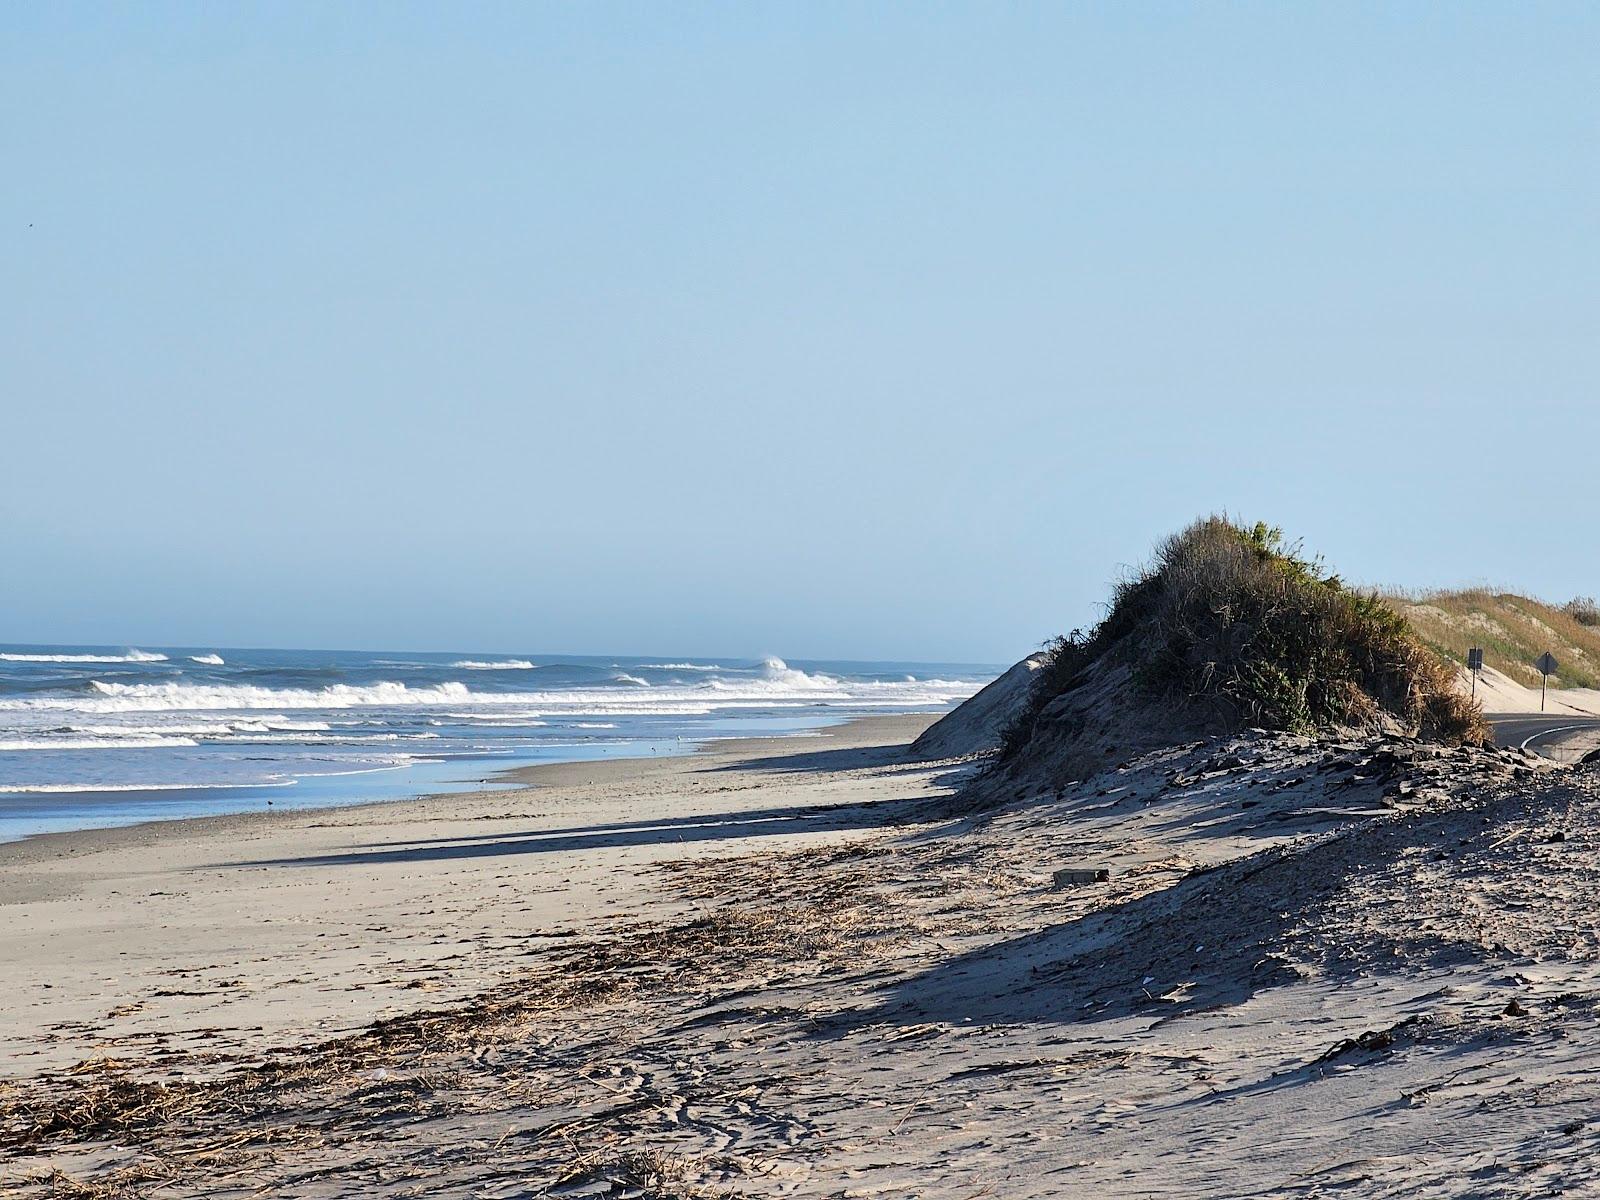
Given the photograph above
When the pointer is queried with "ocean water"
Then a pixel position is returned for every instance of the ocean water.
(91, 736)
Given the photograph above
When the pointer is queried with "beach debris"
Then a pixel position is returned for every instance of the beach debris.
(1068, 877)
(1372, 1040)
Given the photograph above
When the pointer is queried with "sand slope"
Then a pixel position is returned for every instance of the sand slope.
(976, 724)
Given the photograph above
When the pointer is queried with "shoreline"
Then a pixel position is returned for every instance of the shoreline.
(500, 780)
(103, 741)
(260, 927)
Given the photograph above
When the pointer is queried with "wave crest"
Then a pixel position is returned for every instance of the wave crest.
(93, 743)
(158, 697)
(778, 685)
(775, 670)
(132, 656)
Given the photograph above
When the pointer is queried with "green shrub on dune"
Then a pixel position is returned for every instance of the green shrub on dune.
(1234, 628)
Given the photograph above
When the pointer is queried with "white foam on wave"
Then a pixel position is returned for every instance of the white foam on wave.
(685, 666)
(779, 685)
(132, 656)
(189, 729)
(778, 678)
(273, 724)
(94, 743)
(329, 739)
(207, 660)
(515, 664)
(775, 670)
(111, 697)
(69, 788)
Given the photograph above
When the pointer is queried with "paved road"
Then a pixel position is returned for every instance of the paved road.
(1562, 737)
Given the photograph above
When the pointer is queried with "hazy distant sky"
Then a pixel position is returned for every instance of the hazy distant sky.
(854, 330)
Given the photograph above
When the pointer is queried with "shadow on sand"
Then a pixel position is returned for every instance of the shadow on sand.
(1211, 940)
(703, 827)
(706, 827)
(845, 758)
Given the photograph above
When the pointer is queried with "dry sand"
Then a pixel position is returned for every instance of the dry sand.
(1364, 968)
(1499, 693)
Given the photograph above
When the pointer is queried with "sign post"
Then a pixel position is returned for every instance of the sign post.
(1547, 667)
(1475, 665)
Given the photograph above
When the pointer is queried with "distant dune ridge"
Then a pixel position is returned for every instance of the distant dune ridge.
(1512, 630)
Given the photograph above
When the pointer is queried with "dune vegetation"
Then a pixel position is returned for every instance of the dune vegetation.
(1233, 627)
(1512, 630)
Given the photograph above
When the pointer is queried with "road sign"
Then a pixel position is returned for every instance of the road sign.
(1475, 659)
(1547, 667)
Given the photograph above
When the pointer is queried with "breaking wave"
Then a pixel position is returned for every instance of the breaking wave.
(779, 685)
(775, 670)
(132, 656)
(266, 718)
(211, 729)
(109, 697)
(94, 743)
(67, 788)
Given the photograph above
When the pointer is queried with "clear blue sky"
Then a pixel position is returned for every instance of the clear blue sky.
(822, 330)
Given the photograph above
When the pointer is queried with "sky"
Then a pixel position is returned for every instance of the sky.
(874, 331)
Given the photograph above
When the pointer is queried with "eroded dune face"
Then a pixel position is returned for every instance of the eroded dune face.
(977, 724)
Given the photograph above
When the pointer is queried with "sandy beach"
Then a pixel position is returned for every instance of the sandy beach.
(797, 967)
(242, 933)
(853, 602)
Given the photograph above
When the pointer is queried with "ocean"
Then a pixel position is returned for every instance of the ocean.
(91, 736)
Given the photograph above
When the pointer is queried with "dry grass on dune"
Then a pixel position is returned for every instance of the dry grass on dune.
(1233, 624)
(1512, 630)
